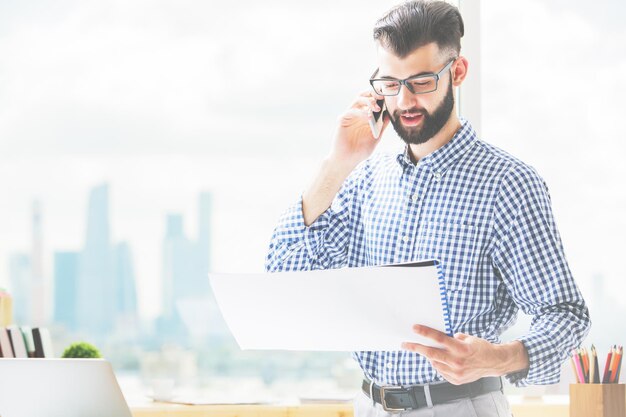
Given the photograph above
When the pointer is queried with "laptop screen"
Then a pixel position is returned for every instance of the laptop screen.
(60, 388)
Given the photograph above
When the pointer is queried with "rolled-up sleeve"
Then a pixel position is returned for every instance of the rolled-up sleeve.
(530, 259)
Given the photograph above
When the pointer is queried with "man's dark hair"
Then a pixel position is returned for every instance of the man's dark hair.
(413, 24)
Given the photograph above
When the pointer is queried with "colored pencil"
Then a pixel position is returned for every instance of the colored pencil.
(614, 364)
(619, 366)
(579, 368)
(605, 375)
(571, 361)
(592, 368)
(596, 375)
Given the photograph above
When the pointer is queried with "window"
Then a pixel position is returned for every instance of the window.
(552, 96)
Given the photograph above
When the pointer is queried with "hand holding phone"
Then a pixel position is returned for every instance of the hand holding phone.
(356, 136)
(378, 118)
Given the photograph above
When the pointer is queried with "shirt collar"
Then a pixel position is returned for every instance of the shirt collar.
(442, 158)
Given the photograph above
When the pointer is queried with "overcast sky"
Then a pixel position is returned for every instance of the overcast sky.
(141, 77)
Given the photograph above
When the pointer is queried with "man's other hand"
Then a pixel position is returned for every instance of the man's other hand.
(463, 358)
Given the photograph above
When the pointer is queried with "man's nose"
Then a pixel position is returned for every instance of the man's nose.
(406, 99)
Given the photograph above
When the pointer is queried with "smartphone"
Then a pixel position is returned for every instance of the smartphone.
(376, 122)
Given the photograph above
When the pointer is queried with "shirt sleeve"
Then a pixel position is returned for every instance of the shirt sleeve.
(323, 244)
(530, 259)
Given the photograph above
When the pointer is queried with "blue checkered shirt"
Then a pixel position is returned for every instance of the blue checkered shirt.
(485, 215)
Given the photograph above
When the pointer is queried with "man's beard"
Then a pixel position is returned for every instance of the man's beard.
(431, 124)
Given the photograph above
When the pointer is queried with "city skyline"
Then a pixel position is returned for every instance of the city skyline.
(94, 284)
(139, 212)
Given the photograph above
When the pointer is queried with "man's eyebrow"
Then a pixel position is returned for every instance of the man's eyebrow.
(387, 77)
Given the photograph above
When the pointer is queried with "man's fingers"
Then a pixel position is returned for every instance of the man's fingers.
(350, 117)
(443, 369)
(431, 353)
(446, 371)
(437, 336)
(371, 93)
(363, 102)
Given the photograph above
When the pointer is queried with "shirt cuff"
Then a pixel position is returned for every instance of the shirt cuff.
(293, 237)
(544, 362)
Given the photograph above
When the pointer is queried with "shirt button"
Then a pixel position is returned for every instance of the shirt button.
(414, 198)
(389, 365)
(437, 175)
(405, 239)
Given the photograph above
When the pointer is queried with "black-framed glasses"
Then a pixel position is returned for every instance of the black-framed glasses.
(419, 84)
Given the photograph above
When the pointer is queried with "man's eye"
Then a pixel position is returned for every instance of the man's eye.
(420, 83)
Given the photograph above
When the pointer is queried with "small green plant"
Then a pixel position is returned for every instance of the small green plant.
(81, 350)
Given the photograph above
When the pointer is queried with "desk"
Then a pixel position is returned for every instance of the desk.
(520, 408)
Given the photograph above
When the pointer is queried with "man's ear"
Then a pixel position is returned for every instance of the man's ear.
(459, 71)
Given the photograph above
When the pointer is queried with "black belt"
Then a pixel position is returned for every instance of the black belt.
(398, 398)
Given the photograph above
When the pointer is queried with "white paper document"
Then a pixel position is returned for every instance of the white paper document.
(348, 309)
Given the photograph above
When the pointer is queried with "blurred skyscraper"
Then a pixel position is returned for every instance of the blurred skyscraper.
(204, 233)
(186, 265)
(38, 294)
(95, 305)
(21, 287)
(126, 316)
(177, 262)
(27, 277)
(126, 294)
(65, 284)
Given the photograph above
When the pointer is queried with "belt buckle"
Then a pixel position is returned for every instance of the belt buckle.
(383, 402)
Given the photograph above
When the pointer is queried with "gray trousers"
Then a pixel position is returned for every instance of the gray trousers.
(493, 404)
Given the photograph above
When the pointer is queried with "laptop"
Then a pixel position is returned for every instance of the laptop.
(60, 388)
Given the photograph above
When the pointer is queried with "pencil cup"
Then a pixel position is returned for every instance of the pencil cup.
(597, 400)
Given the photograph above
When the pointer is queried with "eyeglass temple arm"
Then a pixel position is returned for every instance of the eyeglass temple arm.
(446, 68)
